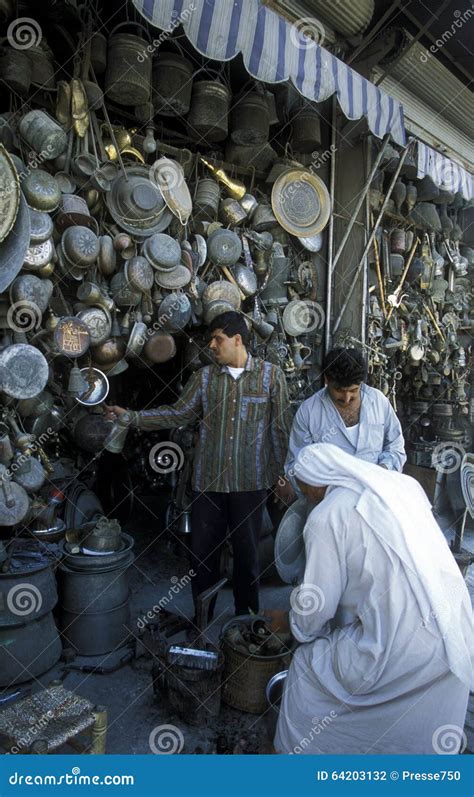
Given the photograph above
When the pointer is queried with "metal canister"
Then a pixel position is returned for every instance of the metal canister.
(231, 212)
(16, 70)
(99, 52)
(124, 84)
(42, 64)
(206, 200)
(208, 114)
(305, 127)
(250, 120)
(172, 75)
(43, 134)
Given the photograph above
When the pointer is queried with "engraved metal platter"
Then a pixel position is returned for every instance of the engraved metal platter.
(71, 336)
(9, 193)
(24, 371)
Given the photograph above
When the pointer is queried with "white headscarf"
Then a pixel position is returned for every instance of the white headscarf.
(397, 510)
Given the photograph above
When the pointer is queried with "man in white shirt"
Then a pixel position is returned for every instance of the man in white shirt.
(349, 414)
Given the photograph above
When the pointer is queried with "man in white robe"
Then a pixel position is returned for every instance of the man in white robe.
(383, 615)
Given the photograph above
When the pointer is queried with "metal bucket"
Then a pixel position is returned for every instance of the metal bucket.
(27, 594)
(94, 592)
(99, 53)
(195, 695)
(42, 64)
(95, 633)
(16, 70)
(172, 83)
(250, 120)
(208, 114)
(305, 127)
(43, 134)
(246, 676)
(206, 200)
(128, 73)
(29, 650)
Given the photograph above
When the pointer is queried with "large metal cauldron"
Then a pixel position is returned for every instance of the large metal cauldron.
(94, 603)
(29, 641)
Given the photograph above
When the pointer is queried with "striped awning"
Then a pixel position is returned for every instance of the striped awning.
(274, 51)
(445, 173)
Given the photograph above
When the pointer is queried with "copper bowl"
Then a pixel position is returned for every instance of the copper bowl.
(109, 352)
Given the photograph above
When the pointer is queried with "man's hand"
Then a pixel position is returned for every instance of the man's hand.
(112, 412)
(284, 492)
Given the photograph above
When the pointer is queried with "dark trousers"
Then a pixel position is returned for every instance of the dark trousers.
(212, 516)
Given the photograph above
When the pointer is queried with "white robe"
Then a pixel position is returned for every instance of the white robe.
(370, 676)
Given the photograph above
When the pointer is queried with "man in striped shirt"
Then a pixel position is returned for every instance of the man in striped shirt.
(242, 407)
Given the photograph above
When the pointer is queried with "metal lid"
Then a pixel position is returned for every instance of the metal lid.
(24, 371)
(98, 322)
(222, 290)
(290, 555)
(300, 202)
(159, 347)
(80, 246)
(9, 193)
(41, 227)
(177, 277)
(139, 273)
(224, 247)
(162, 251)
(136, 204)
(41, 191)
(174, 312)
(39, 255)
(71, 336)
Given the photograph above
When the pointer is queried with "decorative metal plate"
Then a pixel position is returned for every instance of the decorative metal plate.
(300, 202)
(13, 249)
(9, 193)
(72, 337)
(24, 371)
(39, 255)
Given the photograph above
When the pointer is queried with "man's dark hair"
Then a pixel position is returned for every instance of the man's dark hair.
(231, 323)
(345, 367)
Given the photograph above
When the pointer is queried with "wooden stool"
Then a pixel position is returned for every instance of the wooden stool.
(43, 722)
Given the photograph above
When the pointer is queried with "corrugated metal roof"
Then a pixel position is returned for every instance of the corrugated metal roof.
(345, 16)
(421, 73)
(432, 127)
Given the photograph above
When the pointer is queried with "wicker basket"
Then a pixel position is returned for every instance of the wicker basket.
(246, 676)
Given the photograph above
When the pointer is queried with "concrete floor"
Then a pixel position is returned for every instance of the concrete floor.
(136, 716)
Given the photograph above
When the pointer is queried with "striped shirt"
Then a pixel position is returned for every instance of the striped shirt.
(244, 425)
